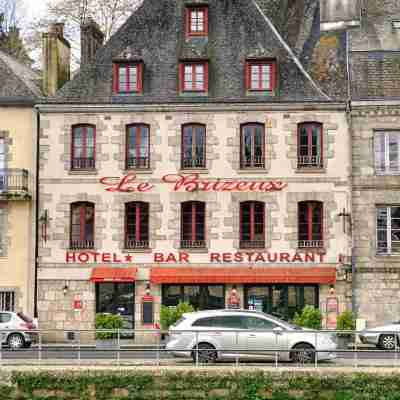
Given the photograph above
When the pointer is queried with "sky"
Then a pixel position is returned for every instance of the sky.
(33, 8)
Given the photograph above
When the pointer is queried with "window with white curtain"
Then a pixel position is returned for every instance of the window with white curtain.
(388, 229)
(387, 152)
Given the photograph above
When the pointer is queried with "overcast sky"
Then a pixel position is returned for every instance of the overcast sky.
(33, 8)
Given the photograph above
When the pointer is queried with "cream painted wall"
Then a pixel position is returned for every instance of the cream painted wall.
(57, 182)
(18, 265)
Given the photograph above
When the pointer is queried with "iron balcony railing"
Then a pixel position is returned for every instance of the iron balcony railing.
(252, 244)
(311, 244)
(309, 162)
(136, 244)
(193, 244)
(14, 180)
(198, 162)
(81, 244)
(138, 163)
(253, 162)
(83, 163)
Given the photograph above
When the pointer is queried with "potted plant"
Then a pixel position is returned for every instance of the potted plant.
(170, 315)
(345, 322)
(107, 327)
(310, 317)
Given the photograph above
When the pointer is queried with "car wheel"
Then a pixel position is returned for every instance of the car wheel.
(303, 353)
(206, 353)
(387, 342)
(28, 345)
(16, 341)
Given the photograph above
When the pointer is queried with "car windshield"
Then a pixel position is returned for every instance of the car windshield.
(282, 323)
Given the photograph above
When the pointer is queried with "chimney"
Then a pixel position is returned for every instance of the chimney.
(56, 59)
(339, 14)
(92, 39)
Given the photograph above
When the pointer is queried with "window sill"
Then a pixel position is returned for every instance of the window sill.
(311, 170)
(198, 251)
(92, 249)
(254, 249)
(319, 250)
(83, 172)
(146, 250)
(194, 171)
(194, 94)
(139, 171)
(252, 171)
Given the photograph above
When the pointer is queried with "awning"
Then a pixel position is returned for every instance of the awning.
(237, 275)
(108, 274)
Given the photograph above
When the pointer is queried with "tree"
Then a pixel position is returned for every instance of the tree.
(109, 14)
(10, 39)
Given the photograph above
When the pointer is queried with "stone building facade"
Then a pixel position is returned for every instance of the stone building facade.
(375, 119)
(218, 169)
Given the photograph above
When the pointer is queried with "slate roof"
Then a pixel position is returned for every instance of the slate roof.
(19, 84)
(156, 33)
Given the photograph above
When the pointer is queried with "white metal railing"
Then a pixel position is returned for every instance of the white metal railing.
(136, 244)
(242, 347)
(81, 244)
(193, 244)
(309, 161)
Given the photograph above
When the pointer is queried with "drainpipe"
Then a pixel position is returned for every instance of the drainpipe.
(35, 312)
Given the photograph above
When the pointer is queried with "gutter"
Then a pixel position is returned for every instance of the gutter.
(35, 301)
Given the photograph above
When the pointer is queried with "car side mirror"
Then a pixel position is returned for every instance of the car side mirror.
(278, 330)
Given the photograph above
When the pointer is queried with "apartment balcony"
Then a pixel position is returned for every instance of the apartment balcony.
(309, 162)
(311, 244)
(81, 244)
(252, 162)
(14, 184)
(138, 163)
(252, 244)
(193, 244)
(132, 244)
(193, 163)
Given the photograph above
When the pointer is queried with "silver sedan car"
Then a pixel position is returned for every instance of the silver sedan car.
(386, 337)
(16, 330)
(227, 334)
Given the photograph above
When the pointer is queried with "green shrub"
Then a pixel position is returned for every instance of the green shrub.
(346, 321)
(310, 317)
(109, 322)
(169, 315)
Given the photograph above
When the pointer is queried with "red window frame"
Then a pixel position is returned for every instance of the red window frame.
(253, 161)
(309, 128)
(128, 87)
(253, 243)
(138, 139)
(309, 209)
(83, 241)
(260, 65)
(194, 128)
(141, 234)
(193, 64)
(189, 11)
(85, 163)
(196, 211)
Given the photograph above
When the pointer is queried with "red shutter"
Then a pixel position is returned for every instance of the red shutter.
(205, 20)
(140, 77)
(206, 77)
(116, 78)
(181, 77)
(247, 75)
(273, 79)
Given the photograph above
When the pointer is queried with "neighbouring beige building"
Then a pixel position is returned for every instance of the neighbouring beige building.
(19, 90)
(196, 161)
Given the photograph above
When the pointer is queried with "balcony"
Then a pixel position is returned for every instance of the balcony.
(14, 184)
(81, 244)
(138, 163)
(252, 162)
(193, 244)
(309, 162)
(311, 244)
(192, 163)
(132, 244)
(252, 244)
(83, 164)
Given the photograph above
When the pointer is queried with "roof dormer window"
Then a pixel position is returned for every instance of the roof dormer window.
(128, 78)
(261, 75)
(197, 21)
(194, 76)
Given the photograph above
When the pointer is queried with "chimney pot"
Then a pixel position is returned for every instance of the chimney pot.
(92, 39)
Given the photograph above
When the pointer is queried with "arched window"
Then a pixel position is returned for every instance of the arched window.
(193, 224)
(137, 146)
(252, 146)
(310, 145)
(82, 225)
(83, 147)
(252, 225)
(193, 146)
(136, 225)
(310, 215)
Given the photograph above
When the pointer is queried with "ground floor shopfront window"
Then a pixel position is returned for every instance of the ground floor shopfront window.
(282, 301)
(117, 299)
(201, 297)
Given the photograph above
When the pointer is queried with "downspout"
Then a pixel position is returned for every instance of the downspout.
(37, 212)
(291, 53)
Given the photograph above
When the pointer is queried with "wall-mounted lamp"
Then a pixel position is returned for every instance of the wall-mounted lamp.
(332, 290)
(65, 289)
(44, 221)
(148, 289)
